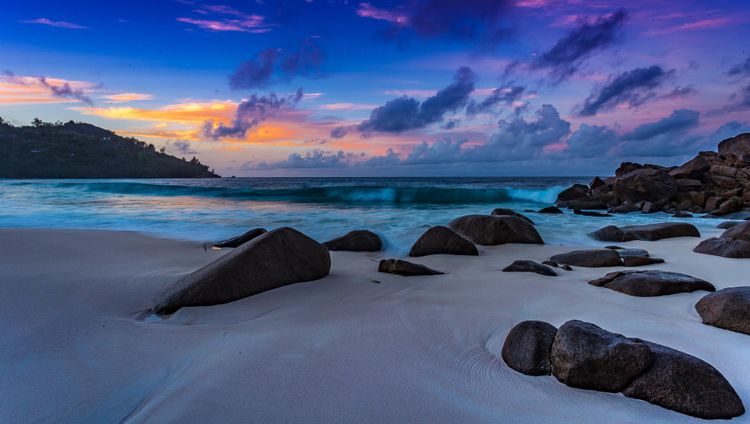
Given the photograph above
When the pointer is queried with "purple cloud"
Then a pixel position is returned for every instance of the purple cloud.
(57, 24)
(250, 113)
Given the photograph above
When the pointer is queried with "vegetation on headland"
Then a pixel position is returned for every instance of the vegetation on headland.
(80, 150)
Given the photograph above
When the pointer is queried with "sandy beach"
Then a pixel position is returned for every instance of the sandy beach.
(79, 345)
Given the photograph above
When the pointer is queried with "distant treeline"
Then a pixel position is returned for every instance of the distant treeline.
(80, 150)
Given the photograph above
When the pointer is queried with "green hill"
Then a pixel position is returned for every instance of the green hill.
(79, 150)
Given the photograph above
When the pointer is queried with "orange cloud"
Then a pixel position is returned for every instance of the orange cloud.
(18, 89)
(128, 97)
(180, 113)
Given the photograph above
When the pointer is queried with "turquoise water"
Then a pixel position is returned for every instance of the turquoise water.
(399, 209)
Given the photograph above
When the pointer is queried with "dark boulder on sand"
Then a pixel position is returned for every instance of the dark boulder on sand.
(733, 243)
(241, 239)
(405, 268)
(527, 347)
(611, 233)
(442, 240)
(530, 266)
(727, 308)
(651, 283)
(356, 241)
(277, 258)
(685, 384)
(510, 212)
(551, 210)
(640, 261)
(648, 232)
(489, 230)
(588, 357)
(592, 258)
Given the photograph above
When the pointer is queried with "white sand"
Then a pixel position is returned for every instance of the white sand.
(342, 349)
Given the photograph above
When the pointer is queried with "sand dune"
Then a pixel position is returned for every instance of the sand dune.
(356, 346)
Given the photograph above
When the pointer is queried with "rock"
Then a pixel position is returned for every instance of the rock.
(727, 308)
(550, 263)
(585, 203)
(682, 214)
(653, 232)
(587, 357)
(590, 213)
(695, 168)
(530, 266)
(550, 209)
(645, 184)
(405, 268)
(593, 258)
(685, 384)
(574, 192)
(630, 252)
(597, 183)
(442, 240)
(723, 171)
(743, 215)
(727, 224)
(738, 146)
(688, 184)
(641, 261)
(566, 267)
(491, 230)
(649, 207)
(527, 347)
(510, 212)
(277, 258)
(733, 243)
(712, 203)
(611, 233)
(356, 241)
(728, 206)
(241, 239)
(651, 283)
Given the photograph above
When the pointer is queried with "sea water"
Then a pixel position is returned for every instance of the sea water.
(398, 209)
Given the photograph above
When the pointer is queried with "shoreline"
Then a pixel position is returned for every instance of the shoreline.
(404, 349)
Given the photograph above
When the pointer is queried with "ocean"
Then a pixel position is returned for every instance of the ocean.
(398, 209)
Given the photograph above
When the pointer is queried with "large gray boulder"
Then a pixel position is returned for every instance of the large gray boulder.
(277, 258)
(530, 266)
(405, 268)
(685, 384)
(527, 347)
(733, 243)
(587, 357)
(356, 241)
(511, 212)
(663, 230)
(442, 240)
(727, 308)
(651, 283)
(650, 184)
(738, 146)
(592, 258)
(241, 239)
(491, 230)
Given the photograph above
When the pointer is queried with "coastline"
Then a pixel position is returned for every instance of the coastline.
(344, 348)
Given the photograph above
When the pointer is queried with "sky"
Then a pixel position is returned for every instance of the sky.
(386, 88)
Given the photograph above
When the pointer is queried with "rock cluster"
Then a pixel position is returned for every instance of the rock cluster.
(582, 355)
(711, 182)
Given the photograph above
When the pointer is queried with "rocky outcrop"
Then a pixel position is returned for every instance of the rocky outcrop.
(592, 258)
(442, 240)
(530, 266)
(405, 268)
(510, 212)
(648, 232)
(356, 241)
(727, 308)
(715, 183)
(527, 347)
(277, 258)
(585, 356)
(733, 243)
(489, 230)
(241, 239)
(651, 283)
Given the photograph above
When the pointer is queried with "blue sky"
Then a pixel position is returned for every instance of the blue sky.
(423, 87)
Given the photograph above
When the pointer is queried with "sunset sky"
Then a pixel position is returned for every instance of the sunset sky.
(424, 87)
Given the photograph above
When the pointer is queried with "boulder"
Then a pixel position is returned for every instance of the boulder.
(731, 205)
(241, 239)
(611, 233)
(651, 283)
(442, 240)
(574, 192)
(491, 230)
(510, 212)
(550, 209)
(591, 213)
(530, 266)
(738, 146)
(648, 184)
(584, 203)
(356, 241)
(695, 168)
(685, 384)
(593, 258)
(653, 232)
(682, 214)
(588, 357)
(405, 268)
(727, 308)
(597, 183)
(624, 253)
(277, 258)
(527, 347)
(728, 224)
(733, 243)
(641, 261)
